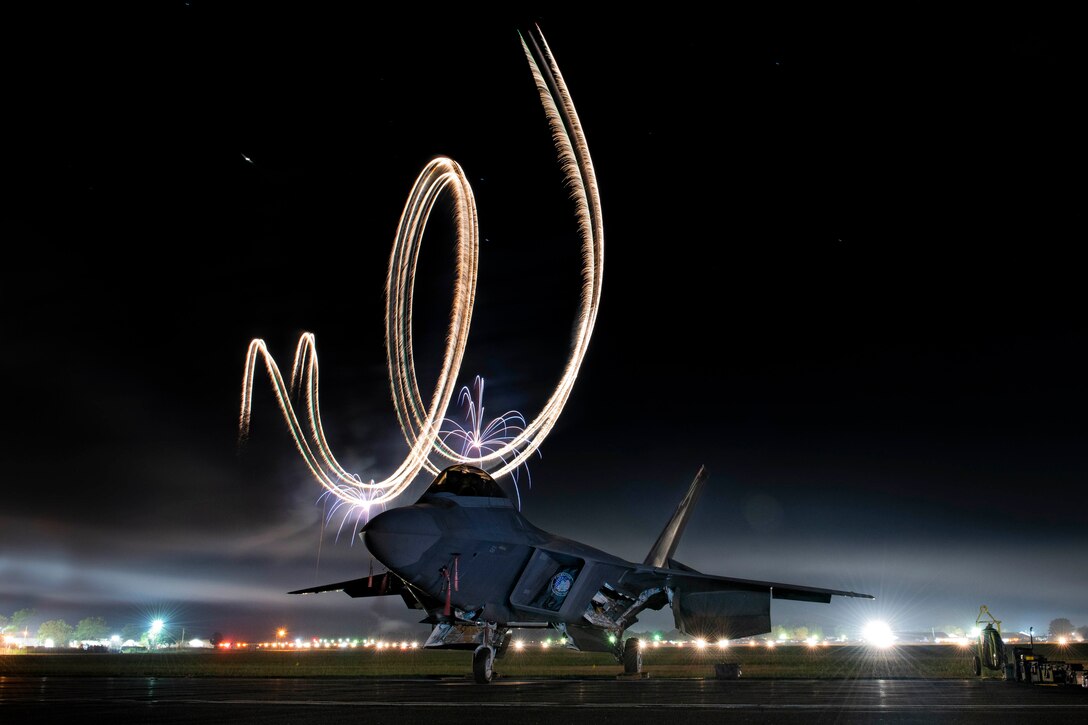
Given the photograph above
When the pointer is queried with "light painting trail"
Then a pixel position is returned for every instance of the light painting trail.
(419, 422)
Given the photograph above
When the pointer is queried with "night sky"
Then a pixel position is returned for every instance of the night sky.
(839, 272)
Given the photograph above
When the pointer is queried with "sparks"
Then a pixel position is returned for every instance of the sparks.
(478, 439)
(421, 422)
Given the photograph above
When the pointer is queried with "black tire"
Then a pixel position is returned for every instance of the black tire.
(482, 661)
(632, 657)
(976, 663)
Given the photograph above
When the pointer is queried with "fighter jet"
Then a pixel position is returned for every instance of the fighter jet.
(468, 558)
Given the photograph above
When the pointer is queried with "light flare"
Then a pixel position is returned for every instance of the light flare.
(878, 634)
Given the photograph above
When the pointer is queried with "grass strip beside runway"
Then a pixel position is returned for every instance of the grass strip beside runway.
(783, 662)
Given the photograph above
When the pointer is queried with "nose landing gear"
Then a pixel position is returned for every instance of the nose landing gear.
(483, 662)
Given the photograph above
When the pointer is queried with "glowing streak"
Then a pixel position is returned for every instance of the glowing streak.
(420, 423)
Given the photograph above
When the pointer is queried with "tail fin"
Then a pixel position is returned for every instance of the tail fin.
(665, 546)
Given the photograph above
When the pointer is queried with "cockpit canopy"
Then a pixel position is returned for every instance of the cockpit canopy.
(465, 480)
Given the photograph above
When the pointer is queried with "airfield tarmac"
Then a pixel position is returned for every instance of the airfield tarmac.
(526, 702)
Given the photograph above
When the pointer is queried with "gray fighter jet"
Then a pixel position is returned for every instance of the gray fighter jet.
(468, 558)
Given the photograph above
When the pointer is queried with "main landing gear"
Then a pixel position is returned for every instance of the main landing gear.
(632, 656)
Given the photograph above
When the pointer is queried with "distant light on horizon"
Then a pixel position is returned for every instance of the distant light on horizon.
(878, 634)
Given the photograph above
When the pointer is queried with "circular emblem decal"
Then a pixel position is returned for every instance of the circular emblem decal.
(561, 584)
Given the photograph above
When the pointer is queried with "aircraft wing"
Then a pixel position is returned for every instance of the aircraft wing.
(661, 570)
(720, 606)
(682, 577)
(378, 585)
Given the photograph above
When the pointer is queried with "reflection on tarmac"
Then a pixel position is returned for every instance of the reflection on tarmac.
(439, 701)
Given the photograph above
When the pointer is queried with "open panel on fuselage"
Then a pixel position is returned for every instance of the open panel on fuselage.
(546, 581)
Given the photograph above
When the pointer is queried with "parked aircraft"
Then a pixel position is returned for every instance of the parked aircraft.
(469, 559)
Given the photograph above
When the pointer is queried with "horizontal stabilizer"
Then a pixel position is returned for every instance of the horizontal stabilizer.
(666, 543)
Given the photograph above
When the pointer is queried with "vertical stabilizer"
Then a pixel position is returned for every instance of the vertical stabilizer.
(665, 546)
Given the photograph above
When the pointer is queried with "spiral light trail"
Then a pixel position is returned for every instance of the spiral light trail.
(421, 422)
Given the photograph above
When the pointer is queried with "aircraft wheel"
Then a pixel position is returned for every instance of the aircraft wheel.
(482, 661)
(632, 657)
(976, 663)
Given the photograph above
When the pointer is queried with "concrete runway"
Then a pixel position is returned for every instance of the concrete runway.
(524, 702)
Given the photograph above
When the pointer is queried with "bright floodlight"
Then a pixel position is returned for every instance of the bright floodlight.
(878, 634)
(518, 644)
(156, 626)
(281, 632)
(723, 643)
(700, 643)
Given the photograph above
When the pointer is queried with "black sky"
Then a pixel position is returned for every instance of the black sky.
(839, 272)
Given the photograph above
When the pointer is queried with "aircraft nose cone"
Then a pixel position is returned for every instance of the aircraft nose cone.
(400, 537)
